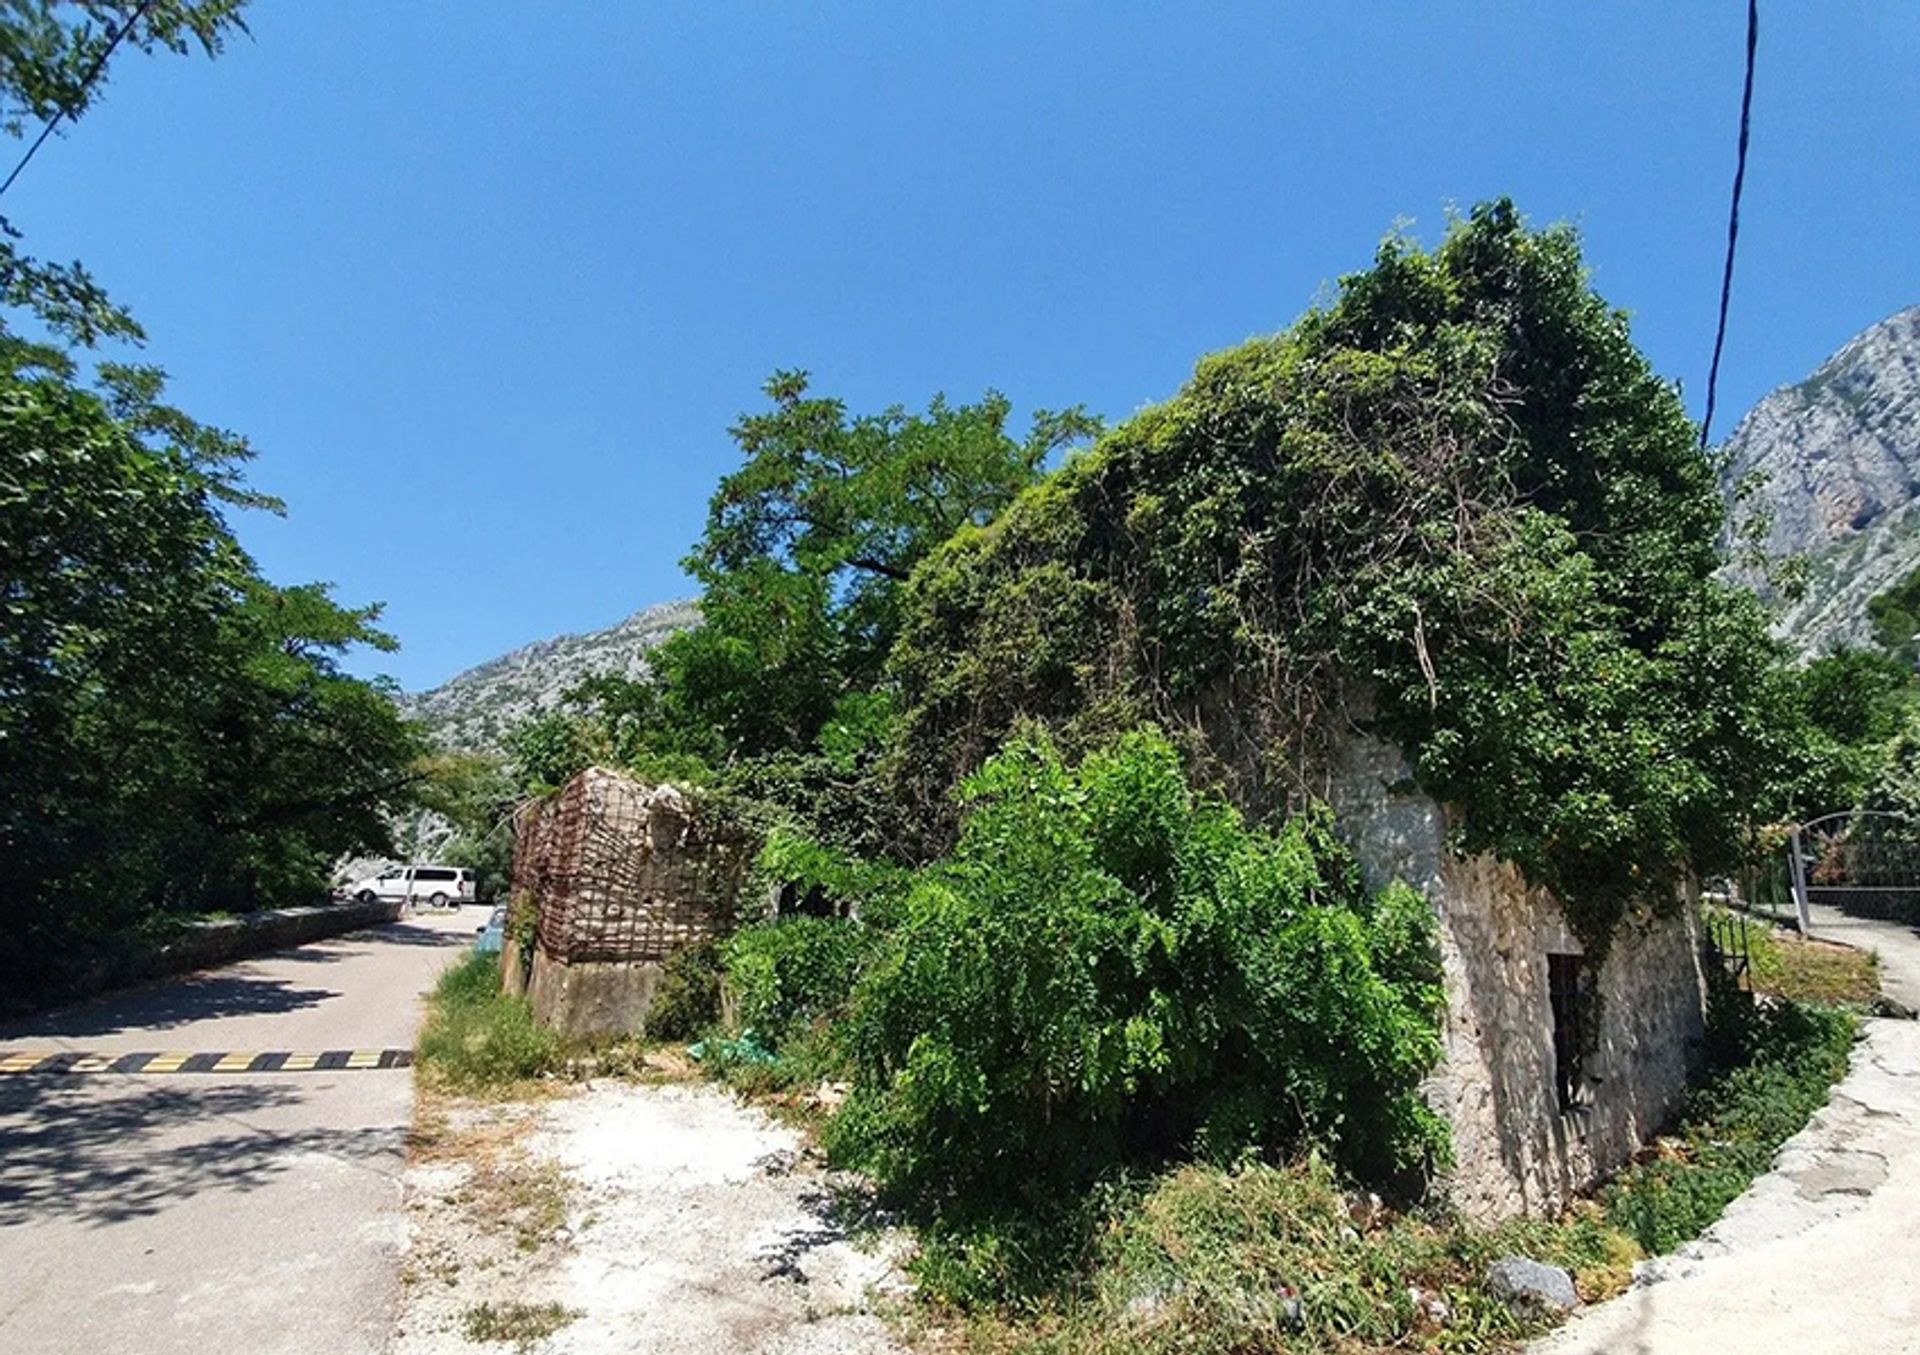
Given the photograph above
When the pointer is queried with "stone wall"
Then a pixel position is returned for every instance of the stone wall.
(204, 944)
(1515, 1149)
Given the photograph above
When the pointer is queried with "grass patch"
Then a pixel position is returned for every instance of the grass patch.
(1778, 1062)
(476, 1037)
(519, 1323)
(1262, 1258)
(1286, 1260)
(524, 1200)
(1787, 965)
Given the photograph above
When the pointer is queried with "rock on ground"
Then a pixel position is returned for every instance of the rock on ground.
(1527, 1283)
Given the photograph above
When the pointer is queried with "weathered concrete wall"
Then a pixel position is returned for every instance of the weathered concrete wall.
(214, 943)
(591, 999)
(1515, 1149)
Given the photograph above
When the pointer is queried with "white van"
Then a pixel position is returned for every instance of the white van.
(441, 886)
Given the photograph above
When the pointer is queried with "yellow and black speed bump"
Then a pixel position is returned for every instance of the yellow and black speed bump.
(327, 1061)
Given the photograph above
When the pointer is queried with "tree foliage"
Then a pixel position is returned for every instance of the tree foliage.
(1113, 970)
(175, 732)
(1455, 506)
(806, 549)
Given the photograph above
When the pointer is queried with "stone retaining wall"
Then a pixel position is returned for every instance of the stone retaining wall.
(215, 943)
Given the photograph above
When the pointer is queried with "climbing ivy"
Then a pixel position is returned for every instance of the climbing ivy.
(1454, 505)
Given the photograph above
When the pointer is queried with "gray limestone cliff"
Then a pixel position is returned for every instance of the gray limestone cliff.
(1838, 462)
(476, 708)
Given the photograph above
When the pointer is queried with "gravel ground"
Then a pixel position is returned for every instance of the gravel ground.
(669, 1219)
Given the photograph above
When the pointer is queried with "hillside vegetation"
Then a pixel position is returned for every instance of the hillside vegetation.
(176, 731)
(1035, 728)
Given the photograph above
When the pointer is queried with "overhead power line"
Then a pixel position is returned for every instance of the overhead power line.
(86, 83)
(1733, 218)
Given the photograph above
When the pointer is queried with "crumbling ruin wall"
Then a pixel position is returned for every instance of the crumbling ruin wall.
(617, 875)
(1517, 1148)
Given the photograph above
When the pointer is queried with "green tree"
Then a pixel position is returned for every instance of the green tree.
(176, 732)
(807, 547)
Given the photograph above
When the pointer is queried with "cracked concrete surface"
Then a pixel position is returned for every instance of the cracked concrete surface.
(1823, 1253)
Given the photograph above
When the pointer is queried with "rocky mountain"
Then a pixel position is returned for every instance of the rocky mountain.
(476, 708)
(1838, 457)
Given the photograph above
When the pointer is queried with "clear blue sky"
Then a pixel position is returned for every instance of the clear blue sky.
(487, 282)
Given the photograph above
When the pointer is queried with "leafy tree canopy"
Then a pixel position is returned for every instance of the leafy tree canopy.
(1454, 505)
(806, 550)
(176, 732)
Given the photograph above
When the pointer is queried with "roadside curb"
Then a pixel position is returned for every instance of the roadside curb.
(215, 943)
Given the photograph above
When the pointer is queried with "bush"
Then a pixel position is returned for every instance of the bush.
(476, 1036)
(687, 999)
(1774, 1067)
(1210, 1260)
(1113, 971)
(795, 970)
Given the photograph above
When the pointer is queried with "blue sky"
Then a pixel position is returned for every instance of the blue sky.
(486, 283)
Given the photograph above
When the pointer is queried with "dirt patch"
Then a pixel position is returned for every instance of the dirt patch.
(629, 1218)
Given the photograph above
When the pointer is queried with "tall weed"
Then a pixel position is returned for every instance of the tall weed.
(477, 1037)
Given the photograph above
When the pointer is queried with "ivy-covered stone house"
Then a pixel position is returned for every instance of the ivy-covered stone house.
(1459, 489)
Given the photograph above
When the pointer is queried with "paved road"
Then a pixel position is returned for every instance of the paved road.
(1822, 1255)
(1897, 944)
(208, 1212)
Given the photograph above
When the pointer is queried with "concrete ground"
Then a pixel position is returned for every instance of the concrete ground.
(1822, 1255)
(209, 1212)
(1897, 945)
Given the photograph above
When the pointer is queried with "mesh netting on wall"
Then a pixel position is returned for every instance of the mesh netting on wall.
(624, 872)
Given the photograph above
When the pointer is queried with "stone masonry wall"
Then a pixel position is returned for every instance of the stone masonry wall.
(1516, 1150)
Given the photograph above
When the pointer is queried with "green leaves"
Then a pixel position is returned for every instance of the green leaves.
(806, 549)
(175, 732)
(1455, 505)
(1111, 969)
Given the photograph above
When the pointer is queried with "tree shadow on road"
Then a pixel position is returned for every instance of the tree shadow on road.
(413, 934)
(66, 1151)
(177, 1002)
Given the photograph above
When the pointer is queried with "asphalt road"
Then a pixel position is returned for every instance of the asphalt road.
(154, 1212)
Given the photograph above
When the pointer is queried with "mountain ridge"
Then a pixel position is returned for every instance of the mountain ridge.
(476, 707)
(1838, 456)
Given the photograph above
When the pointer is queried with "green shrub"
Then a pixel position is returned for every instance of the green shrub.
(1112, 971)
(791, 971)
(1774, 1067)
(687, 999)
(1210, 1260)
(476, 1036)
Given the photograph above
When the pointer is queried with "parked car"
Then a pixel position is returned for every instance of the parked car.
(441, 886)
(493, 936)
